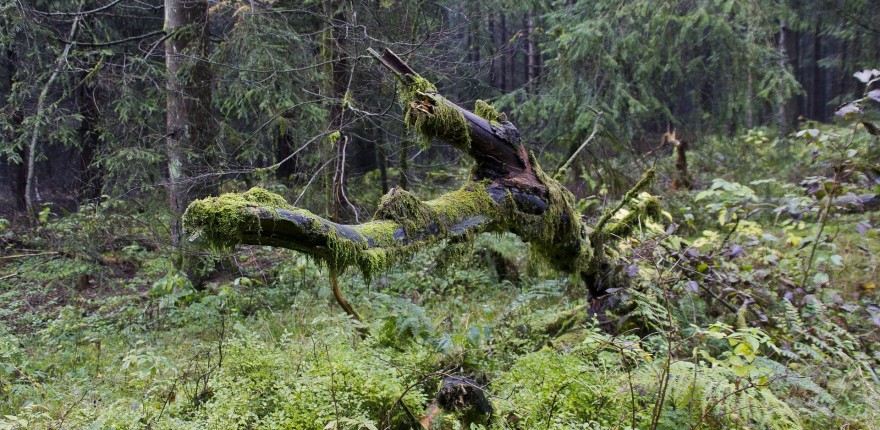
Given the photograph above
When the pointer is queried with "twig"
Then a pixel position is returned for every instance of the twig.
(10, 257)
(117, 41)
(78, 14)
(564, 167)
(727, 237)
(646, 180)
(303, 192)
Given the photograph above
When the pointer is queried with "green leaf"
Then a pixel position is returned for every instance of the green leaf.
(819, 279)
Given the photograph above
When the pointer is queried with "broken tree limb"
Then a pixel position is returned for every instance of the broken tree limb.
(560, 172)
(507, 192)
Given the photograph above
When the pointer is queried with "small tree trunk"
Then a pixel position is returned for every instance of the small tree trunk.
(532, 69)
(750, 119)
(403, 166)
(337, 69)
(91, 176)
(781, 118)
(503, 55)
(817, 88)
(383, 166)
(30, 194)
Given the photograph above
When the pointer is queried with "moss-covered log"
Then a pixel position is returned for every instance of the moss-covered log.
(507, 191)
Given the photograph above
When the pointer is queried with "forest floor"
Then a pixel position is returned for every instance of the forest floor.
(727, 323)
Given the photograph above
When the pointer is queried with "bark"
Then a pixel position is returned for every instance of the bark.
(188, 117)
(532, 52)
(507, 191)
(90, 175)
(781, 116)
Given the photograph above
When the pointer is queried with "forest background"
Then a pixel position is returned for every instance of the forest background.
(750, 303)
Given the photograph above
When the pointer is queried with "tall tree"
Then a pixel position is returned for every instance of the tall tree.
(188, 117)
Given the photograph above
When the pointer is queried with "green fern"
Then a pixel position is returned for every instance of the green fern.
(714, 397)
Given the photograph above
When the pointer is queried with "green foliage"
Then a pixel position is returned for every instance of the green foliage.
(301, 385)
(626, 60)
(757, 311)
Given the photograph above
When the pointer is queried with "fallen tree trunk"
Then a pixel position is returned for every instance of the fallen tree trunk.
(507, 191)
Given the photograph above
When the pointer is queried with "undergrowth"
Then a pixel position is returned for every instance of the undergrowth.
(740, 313)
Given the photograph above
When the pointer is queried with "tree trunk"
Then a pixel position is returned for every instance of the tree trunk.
(781, 118)
(188, 116)
(507, 191)
(91, 176)
(532, 63)
(818, 92)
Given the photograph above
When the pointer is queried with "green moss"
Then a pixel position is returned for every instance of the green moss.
(470, 200)
(334, 137)
(638, 205)
(413, 91)
(565, 241)
(405, 209)
(638, 209)
(222, 220)
(382, 231)
(428, 113)
(400, 209)
(345, 252)
(487, 111)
